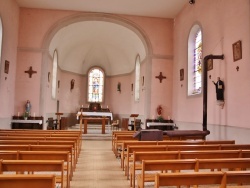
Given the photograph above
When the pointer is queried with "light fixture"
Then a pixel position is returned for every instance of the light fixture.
(191, 2)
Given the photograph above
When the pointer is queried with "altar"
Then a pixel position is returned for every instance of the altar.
(30, 123)
(161, 125)
(97, 114)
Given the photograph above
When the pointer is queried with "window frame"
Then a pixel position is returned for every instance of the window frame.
(54, 74)
(137, 78)
(191, 90)
(103, 86)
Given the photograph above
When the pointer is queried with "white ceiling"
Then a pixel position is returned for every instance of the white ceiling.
(85, 44)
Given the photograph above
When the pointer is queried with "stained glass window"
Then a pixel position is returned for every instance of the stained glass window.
(95, 85)
(197, 74)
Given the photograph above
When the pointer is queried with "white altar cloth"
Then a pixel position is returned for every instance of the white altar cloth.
(149, 124)
(107, 114)
(26, 121)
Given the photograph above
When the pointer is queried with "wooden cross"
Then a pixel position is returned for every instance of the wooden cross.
(30, 71)
(161, 77)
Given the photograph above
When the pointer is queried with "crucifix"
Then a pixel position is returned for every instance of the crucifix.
(161, 77)
(30, 71)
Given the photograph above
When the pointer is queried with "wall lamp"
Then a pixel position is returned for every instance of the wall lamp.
(191, 2)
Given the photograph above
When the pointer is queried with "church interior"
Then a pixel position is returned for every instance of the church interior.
(173, 68)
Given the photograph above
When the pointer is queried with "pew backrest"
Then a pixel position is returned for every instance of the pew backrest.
(27, 180)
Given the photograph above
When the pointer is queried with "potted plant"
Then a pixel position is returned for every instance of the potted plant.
(25, 115)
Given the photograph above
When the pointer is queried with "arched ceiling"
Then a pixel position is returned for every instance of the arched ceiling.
(85, 44)
(114, 47)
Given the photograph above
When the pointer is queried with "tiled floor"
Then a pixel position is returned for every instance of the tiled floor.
(98, 168)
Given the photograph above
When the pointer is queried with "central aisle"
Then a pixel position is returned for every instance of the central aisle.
(97, 167)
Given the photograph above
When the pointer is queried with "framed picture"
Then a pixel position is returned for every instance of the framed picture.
(181, 74)
(209, 64)
(6, 67)
(237, 51)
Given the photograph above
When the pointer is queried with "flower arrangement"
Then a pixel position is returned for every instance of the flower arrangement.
(26, 115)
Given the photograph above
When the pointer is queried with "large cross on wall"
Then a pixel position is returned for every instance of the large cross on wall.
(30, 71)
(161, 77)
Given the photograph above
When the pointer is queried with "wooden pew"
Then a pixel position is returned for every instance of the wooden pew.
(188, 165)
(50, 155)
(43, 133)
(132, 149)
(124, 145)
(76, 149)
(118, 142)
(115, 133)
(42, 142)
(235, 146)
(55, 166)
(138, 157)
(27, 181)
(66, 148)
(44, 137)
(202, 178)
(41, 155)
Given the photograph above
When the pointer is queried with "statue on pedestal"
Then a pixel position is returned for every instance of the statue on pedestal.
(28, 107)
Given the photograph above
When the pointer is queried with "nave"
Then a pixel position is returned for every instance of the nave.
(97, 167)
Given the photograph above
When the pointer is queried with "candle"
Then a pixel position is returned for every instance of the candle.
(34, 114)
(77, 116)
(107, 106)
(18, 114)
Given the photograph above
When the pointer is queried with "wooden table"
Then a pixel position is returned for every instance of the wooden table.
(103, 119)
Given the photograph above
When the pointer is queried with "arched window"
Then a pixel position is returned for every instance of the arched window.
(54, 74)
(1, 38)
(95, 85)
(137, 77)
(195, 61)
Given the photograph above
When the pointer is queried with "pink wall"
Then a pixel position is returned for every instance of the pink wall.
(161, 91)
(35, 25)
(223, 23)
(9, 13)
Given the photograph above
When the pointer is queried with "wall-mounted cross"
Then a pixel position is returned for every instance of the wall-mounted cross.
(161, 77)
(30, 71)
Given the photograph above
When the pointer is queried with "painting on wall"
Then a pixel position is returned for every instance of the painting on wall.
(6, 67)
(210, 64)
(181, 74)
(237, 51)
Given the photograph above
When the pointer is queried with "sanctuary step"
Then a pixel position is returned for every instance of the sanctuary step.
(94, 132)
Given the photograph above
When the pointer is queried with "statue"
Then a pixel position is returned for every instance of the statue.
(27, 107)
(219, 86)
(159, 113)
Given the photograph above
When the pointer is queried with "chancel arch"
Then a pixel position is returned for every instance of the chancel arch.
(114, 50)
